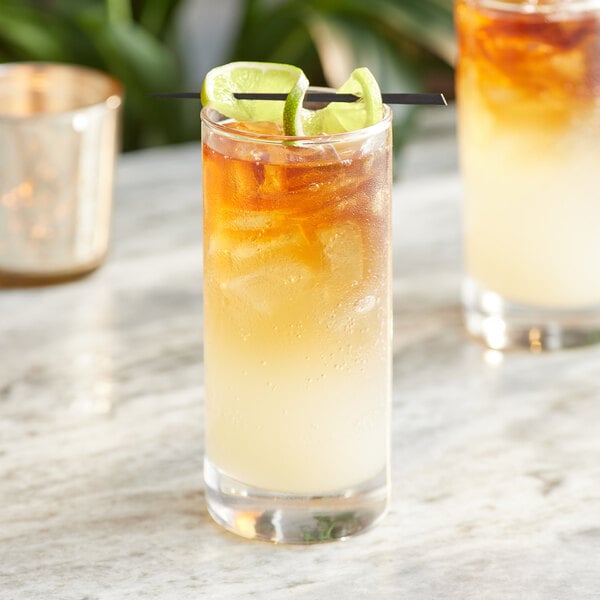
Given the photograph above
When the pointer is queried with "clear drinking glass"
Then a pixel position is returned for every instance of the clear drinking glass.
(528, 92)
(297, 329)
(58, 141)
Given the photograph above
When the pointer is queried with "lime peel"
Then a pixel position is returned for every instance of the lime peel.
(293, 113)
(366, 111)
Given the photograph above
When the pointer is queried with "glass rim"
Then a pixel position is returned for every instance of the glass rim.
(114, 89)
(546, 7)
(268, 138)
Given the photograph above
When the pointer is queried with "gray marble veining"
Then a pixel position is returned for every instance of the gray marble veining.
(496, 457)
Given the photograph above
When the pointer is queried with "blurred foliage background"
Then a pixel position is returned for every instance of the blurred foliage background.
(408, 44)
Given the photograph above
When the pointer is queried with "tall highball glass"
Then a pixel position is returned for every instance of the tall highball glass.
(528, 90)
(297, 329)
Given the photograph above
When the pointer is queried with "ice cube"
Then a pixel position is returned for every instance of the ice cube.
(247, 177)
(218, 243)
(269, 288)
(343, 251)
(255, 220)
(263, 248)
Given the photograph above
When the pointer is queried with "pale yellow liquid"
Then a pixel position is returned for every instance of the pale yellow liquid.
(532, 210)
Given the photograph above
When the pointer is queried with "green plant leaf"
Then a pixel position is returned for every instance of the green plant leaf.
(130, 49)
(420, 30)
(144, 65)
(119, 11)
(29, 34)
(427, 22)
(156, 17)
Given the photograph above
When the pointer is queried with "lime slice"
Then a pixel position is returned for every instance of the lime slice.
(293, 113)
(221, 82)
(299, 121)
(339, 117)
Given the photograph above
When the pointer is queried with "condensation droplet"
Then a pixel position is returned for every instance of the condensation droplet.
(365, 304)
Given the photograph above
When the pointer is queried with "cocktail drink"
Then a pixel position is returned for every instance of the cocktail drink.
(297, 328)
(528, 89)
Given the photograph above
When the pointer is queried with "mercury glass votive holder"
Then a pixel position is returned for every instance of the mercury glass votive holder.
(59, 138)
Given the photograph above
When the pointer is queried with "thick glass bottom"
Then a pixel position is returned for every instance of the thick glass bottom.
(504, 325)
(10, 278)
(289, 518)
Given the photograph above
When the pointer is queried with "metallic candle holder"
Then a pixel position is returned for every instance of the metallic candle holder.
(59, 136)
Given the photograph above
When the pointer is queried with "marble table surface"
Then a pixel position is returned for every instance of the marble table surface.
(496, 457)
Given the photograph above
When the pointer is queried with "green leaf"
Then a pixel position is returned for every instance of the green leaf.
(30, 34)
(419, 30)
(118, 11)
(155, 17)
(257, 42)
(144, 65)
(132, 51)
(427, 22)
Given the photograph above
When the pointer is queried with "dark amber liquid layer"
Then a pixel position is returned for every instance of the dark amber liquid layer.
(525, 62)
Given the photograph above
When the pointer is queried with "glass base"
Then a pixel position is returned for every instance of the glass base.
(503, 325)
(12, 279)
(290, 518)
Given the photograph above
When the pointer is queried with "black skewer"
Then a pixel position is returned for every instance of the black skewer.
(388, 98)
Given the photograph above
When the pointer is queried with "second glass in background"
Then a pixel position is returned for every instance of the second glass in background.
(528, 92)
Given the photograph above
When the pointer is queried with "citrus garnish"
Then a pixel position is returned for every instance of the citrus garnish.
(368, 110)
(222, 82)
(336, 117)
(293, 113)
